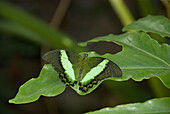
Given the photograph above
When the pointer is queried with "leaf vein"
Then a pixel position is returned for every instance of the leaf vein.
(147, 53)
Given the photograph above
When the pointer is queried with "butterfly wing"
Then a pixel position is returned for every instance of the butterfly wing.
(64, 62)
(97, 69)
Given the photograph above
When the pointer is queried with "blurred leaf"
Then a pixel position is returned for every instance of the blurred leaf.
(154, 106)
(12, 45)
(128, 91)
(159, 38)
(158, 88)
(155, 24)
(27, 25)
(5, 109)
(141, 58)
(146, 7)
(47, 84)
(14, 28)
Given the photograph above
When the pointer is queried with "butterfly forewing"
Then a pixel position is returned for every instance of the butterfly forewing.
(65, 63)
(53, 57)
(75, 59)
(98, 69)
(111, 70)
(89, 65)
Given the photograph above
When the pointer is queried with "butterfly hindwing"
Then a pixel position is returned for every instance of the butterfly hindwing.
(64, 61)
(103, 69)
(111, 70)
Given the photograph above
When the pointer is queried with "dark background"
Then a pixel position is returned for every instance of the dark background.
(84, 20)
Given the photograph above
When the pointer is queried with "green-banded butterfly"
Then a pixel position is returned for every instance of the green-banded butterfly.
(82, 70)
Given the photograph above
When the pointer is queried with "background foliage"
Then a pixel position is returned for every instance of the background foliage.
(24, 37)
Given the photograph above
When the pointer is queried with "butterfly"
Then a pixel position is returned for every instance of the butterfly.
(82, 70)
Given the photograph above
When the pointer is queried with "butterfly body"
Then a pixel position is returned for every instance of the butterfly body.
(82, 71)
(82, 65)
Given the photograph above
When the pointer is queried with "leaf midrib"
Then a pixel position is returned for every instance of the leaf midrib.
(145, 52)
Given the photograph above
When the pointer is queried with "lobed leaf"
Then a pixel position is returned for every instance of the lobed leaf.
(154, 24)
(141, 58)
(154, 106)
(47, 84)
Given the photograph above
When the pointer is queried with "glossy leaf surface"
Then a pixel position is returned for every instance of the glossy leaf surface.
(47, 84)
(154, 24)
(141, 57)
(155, 106)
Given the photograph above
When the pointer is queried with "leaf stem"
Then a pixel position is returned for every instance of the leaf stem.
(146, 7)
(122, 11)
(60, 13)
(167, 6)
(158, 88)
(55, 22)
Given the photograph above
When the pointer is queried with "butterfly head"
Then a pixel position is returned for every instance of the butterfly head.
(85, 55)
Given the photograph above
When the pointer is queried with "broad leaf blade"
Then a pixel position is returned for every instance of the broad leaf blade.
(47, 84)
(141, 58)
(154, 24)
(155, 106)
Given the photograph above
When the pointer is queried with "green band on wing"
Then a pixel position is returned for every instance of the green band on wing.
(67, 65)
(94, 71)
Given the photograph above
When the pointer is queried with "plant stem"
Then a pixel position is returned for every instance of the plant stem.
(146, 7)
(55, 22)
(122, 11)
(167, 6)
(158, 88)
(60, 13)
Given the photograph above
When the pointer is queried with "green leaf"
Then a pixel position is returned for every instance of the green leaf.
(154, 24)
(25, 24)
(154, 106)
(141, 58)
(14, 28)
(47, 84)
